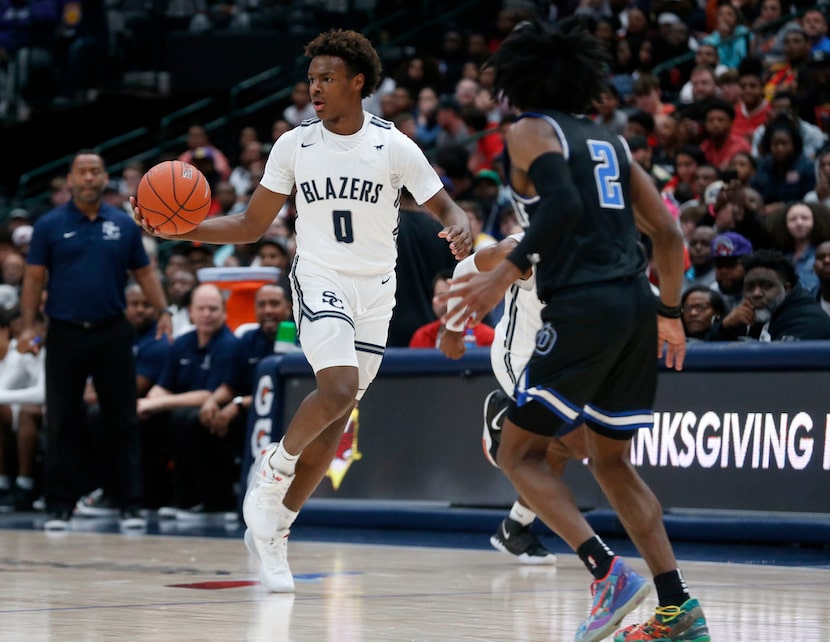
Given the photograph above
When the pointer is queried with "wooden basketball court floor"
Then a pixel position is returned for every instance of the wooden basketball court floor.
(171, 584)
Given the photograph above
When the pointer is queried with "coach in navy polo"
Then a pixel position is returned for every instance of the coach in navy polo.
(88, 250)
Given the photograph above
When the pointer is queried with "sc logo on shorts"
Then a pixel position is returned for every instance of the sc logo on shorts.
(545, 340)
(332, 299)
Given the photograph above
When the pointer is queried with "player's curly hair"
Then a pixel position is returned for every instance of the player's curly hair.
(541, 67)
(355, 50)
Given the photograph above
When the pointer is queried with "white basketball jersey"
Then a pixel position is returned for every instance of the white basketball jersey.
(515, 333)
(348, 191)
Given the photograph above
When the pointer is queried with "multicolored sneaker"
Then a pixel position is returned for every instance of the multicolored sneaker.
(685, 623)
(614, 597)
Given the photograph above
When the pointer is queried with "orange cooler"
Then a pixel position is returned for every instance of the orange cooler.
(239, 284)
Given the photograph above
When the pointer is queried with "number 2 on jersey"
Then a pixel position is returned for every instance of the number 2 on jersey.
(343, 226)
(606, 174)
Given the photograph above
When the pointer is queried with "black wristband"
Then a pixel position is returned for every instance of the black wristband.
(669, 311)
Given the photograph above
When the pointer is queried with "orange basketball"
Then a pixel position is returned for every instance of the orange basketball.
(174, 197)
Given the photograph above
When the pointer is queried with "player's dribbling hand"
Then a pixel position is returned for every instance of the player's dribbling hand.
(142, 222)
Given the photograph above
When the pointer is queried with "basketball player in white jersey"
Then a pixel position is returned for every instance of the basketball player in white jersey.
(512, 347)
(347, 167)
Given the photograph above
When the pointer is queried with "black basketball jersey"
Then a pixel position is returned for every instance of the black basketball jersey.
(602, 246)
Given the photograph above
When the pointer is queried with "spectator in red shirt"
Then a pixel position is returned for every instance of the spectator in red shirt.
(721, 142)
(752, 108)
(428, 335)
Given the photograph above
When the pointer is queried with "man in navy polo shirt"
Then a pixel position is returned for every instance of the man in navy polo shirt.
(199, 362)
(88, 249)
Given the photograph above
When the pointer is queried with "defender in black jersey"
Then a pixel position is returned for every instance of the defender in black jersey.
(582, 201)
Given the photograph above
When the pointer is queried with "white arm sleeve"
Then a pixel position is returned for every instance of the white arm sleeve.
(467, 266)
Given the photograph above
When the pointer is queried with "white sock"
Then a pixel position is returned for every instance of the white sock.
(283, 462)
(522, 514)
(26, 483)
(4, 482)
(286, 518)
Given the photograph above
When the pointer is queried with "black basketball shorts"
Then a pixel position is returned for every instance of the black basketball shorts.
(595, 362)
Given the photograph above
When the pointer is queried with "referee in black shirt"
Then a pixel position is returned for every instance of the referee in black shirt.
(88, 250)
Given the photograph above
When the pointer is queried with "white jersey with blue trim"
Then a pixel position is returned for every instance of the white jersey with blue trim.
(348, 191)
(515, 332)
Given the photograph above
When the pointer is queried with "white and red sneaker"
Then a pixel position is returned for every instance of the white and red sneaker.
(263, 498)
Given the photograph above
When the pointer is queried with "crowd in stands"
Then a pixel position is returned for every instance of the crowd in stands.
(58, 53)
(52, 51)
(734, 133)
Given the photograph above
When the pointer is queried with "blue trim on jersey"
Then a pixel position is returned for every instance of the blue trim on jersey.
(372, 348)
(630, 420)
(566, 151)
(379, 122)
(309, 121)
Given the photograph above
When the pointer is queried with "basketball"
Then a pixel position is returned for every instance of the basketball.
(174, 197)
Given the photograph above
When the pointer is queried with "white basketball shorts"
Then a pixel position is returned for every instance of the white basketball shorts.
(342, 319)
